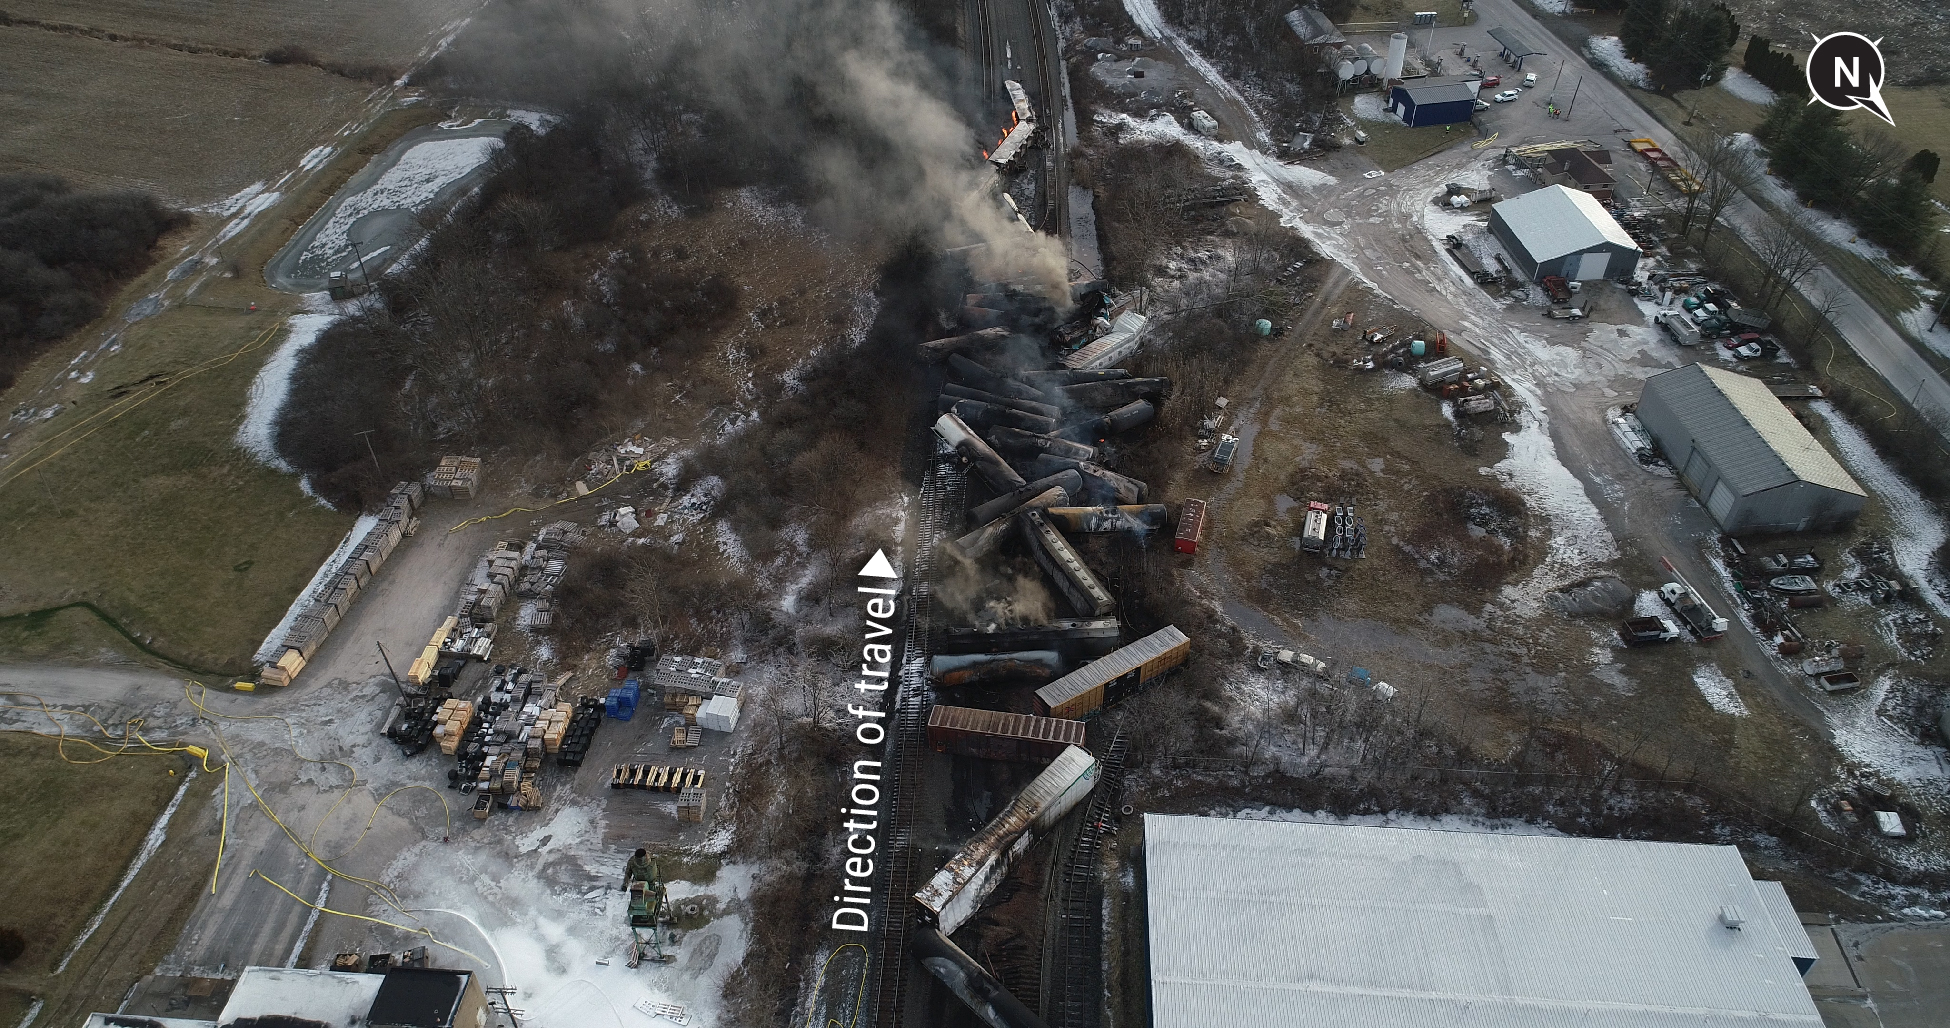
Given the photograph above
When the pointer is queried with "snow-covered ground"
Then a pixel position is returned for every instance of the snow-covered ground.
(1918, 322)
(1552, 6)
(1918, 531)
(1718, 689)
(1445, 823)
(252, 208)
(1746, 87)
(1151, 22)
(409, 185)
(258, 432)
(1368, 107)
(1776, 193)
(1866, 738)
(1610, 52)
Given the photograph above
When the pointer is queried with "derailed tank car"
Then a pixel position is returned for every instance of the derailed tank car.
(1089, 689)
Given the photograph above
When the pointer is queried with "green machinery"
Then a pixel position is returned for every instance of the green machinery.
(650, 936)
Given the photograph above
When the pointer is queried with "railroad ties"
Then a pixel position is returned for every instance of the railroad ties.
(1076, 1000)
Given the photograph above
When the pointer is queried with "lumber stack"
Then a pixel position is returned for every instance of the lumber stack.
(341, 585)
(553, 724)
(455, 478)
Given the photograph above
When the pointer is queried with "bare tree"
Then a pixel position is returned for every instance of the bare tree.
(1724, 169)
(1787, 254)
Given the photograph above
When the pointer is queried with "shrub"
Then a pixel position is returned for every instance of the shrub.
(12, 945)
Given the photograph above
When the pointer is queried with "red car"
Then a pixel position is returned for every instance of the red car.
(1490, 83)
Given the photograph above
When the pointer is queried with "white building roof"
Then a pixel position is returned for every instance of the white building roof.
(1283, 925)
(338, 998)
(1556, 220)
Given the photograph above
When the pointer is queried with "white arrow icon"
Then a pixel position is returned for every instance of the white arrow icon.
(878, 567)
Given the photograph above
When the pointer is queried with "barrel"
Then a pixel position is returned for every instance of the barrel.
(1418, 348)
(1263, 327)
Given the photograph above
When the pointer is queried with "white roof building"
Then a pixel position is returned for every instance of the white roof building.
(1560, 231)
(1283, 925)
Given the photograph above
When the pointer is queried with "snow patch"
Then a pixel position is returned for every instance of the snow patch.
(1443, 823)
(315, 157)
(536, 121)
(255, 206)
(1152, 23)
(1920, 532)
(1552, 6)
(1718, 689)
(234, 203)
(271, 387)
(1865, 737)
(1610, 52)
(273, 643)
(1746, 87)
(1368, 107)
(1918, 322)
(409, 185)
(1579, 539)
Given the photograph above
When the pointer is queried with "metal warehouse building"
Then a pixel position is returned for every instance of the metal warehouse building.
(1742, 453)
(1560, 231)
(1437, 103)
(1282, 925)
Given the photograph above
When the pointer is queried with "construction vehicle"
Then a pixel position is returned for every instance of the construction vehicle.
(1653, 629)
(1691, 607)
(649, 917)
(1558, 289)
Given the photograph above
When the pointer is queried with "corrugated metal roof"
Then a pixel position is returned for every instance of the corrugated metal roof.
(1282, 925)
(1112, 665)
(1746, 431)
(1558, 220)
(1794, 938)
(1441, 92)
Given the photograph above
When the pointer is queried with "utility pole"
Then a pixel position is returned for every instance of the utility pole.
(1554, 82)
(1944, 306)
(389, 665)
(367, 436)
(363, 277)
(1574, 96)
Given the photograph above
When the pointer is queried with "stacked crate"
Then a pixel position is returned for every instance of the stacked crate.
(690, 804)
(553, 725)
(450, 724)
(286, 669)
(455, 478)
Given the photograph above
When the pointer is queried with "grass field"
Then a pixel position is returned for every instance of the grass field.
(65, 635)
(1923, 122)
(191, 128)
(1392, 145)
(158, 518)
(67, 835)
(348, 30)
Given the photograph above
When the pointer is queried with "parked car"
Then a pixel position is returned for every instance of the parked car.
(1222, 453)
(1506, 96)
(1529, 80)
(1491, 83)
(1746, 351)
(1482, 105)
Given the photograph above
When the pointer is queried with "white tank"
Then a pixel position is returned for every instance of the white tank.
(1397, 54)
(1368, 60)
(1344, 70)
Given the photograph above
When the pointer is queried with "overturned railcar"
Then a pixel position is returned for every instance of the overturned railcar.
(996, 735)
(1089, 689)
(956, 891)
(1059, 560)
(1078, 638)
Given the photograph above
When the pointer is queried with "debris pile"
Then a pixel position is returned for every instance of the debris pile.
(521, 721)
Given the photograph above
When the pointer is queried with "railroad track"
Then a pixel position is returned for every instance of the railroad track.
(1077, 991)
(942, 490)
(1049, 80)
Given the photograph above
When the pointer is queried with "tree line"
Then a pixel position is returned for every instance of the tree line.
(1868, 177)
(62, 253)
(1682, 43)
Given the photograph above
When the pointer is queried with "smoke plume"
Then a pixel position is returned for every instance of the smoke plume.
(841, 105)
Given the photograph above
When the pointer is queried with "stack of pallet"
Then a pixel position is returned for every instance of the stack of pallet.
(455, 478)
(684, 737)
(655, 777)
(286, 669)
(493, 579)
(341, 585)
(450, 723)
(690, 804)
(529, 796)
(553, 724)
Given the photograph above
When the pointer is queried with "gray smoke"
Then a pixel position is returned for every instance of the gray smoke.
(973, 595)
(841, 103)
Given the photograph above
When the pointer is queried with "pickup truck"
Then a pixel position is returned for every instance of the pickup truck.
(1654, 629)
(1697, 615)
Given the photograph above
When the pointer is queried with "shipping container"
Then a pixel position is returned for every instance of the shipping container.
(1100, 683)
(994, 735)
(1191, 525)
(956, 891)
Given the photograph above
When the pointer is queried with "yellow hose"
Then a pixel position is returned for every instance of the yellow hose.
(428, 932)
(642, 465)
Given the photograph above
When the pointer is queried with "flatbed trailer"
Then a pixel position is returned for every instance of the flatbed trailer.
(1656, 156)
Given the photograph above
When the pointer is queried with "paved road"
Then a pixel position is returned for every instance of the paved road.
(1603, 111)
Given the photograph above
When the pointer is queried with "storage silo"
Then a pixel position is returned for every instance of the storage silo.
(1397, 55)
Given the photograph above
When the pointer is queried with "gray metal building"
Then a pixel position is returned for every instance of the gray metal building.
(1561, 231)
(1284, 925)
(1745, 457)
